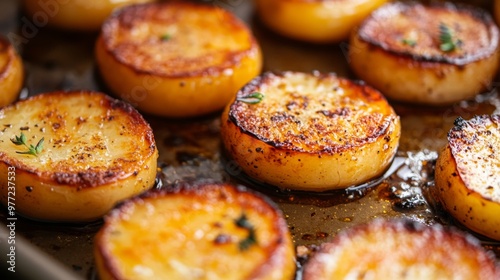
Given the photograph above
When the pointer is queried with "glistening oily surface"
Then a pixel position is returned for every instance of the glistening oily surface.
(190, 149)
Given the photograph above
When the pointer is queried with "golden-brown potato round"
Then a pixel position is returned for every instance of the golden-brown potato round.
(401, 249)
(316, 21)
(79, 15)
(400, 50)
(177, 59)
(311, 132)
(467, 174)
(201, 231)
(95, 152)
(11, 73)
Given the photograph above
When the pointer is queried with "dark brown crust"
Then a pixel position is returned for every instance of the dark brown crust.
(90, 177)
(473, 144)
(239, 116)
(477, 52)
(126, 17)
(204, 190)
(425, 237)
(459, 138)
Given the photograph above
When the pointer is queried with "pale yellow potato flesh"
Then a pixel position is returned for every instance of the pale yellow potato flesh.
(76, 15)
(96, 152)
(177, 59)
(397, 50)
(467, 181)
(315, 21)
(193, 234)
(11, 73)
(310, 132)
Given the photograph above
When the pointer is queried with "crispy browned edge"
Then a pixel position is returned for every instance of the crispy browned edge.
(476, 12)
(108, 28)
(83, 180)
(5, 45)
(457, 137)
(237, 110)
(248, 198)
(437, 232)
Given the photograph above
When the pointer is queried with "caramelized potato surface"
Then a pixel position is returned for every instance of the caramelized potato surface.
(432, 55)
(467, 174)
(200, 231)
(401, 250)
(177, 59)
(310, 131)
(73, 155)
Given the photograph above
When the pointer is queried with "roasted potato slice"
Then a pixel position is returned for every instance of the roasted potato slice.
(198, 231)
(177, 59)
(401, 249)
(315, 21)
(431, 55)
(467, 174)
(73, 155)
(310, 131)
(75, 15)
(11, 73)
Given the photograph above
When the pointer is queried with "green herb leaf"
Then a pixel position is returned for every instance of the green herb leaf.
(409, 42)
(246, 243)
(32, 150)
(165, 37)
(19, 140)
(251, 239)
(39, 146)
(243, 222)
(253, 98)
(447, 47)
(448, 44)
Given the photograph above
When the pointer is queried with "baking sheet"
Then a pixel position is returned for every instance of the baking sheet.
(191, 149)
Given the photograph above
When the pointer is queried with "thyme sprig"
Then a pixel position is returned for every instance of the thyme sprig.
(165, 37)
(409, 42)
(251, 239)
(448, 43)
(253, 98)
(32, 150)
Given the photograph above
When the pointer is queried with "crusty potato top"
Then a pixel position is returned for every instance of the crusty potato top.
(177, 39)
(475, 147)
(190, 233)
(90, 139)
(414, 29)
(312, 112)
(403, 249)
